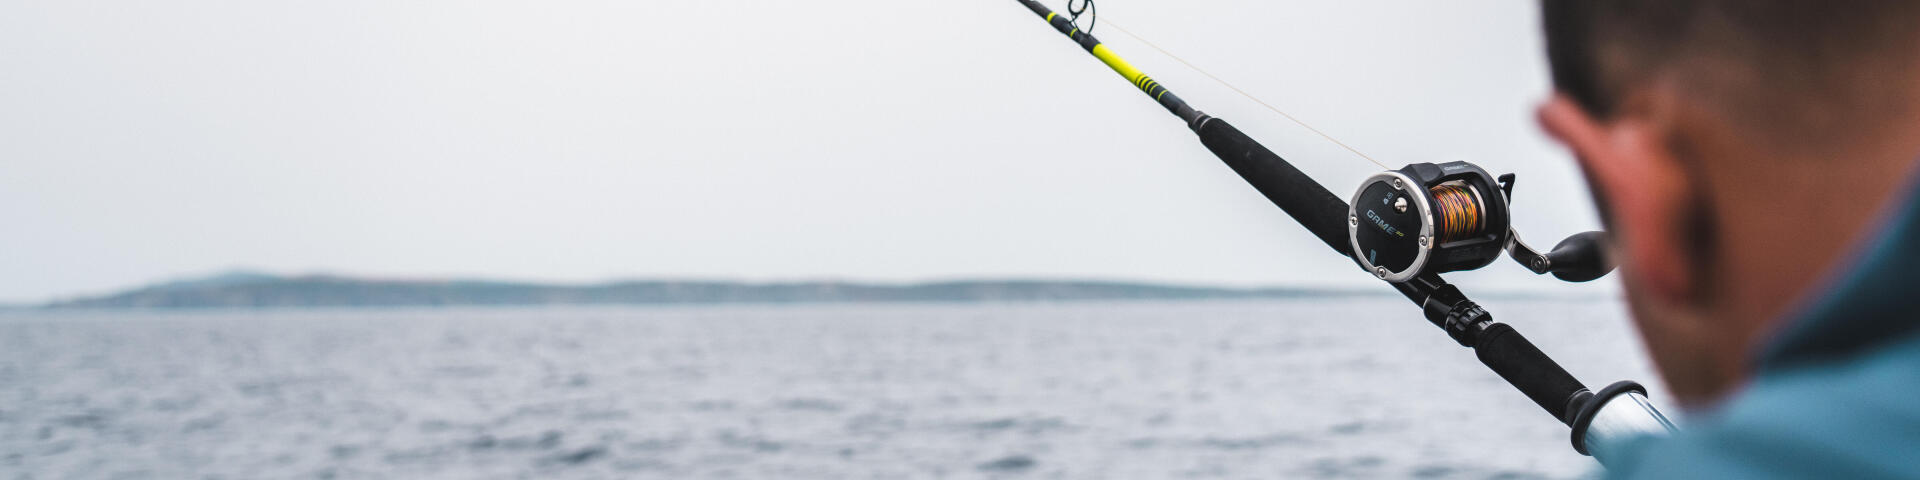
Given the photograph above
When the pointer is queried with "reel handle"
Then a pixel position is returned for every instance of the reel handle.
(1581, 257)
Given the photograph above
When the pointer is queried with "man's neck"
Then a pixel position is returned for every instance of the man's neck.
(1787, 226)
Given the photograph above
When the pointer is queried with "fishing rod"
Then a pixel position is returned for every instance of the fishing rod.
(1413, 224)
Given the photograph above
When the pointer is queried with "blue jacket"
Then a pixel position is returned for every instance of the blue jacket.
(1836, 392)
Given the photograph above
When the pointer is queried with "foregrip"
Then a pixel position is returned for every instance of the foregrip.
(1514, 358)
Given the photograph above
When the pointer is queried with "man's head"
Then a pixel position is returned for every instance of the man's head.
(1737, 149)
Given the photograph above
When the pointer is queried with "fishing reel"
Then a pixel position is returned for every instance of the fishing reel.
(1435, 218)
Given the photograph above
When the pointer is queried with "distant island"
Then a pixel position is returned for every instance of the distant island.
(259, 290)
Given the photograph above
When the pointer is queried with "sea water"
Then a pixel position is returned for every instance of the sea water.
(1310, 388)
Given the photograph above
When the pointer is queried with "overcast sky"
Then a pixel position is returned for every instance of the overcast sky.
(756, 140)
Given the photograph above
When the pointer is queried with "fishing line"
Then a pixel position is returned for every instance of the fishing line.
(1242, 93)
(1459, 210)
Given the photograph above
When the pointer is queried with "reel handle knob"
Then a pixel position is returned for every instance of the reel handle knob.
(1581, 257)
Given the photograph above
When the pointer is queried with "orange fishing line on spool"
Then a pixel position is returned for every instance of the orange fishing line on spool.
(1457, 213)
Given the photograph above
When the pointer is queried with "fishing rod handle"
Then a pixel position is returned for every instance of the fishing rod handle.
(1283, 184)
(1499, 347)
(1514, 358)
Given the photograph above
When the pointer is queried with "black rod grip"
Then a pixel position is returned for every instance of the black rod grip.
(1286, 186)
(1509, 354)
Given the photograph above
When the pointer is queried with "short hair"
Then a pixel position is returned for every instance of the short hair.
(1752, 58)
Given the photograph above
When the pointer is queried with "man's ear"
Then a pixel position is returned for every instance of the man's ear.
(1641, 188)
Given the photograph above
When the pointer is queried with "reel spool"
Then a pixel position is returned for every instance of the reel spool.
(1435, 218)
(1428, 218)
